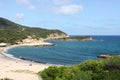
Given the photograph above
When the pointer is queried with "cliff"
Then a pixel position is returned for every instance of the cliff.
(57, 36)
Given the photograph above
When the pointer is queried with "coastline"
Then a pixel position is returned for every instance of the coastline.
(13, 68)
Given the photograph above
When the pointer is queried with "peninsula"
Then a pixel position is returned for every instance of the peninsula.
(13, 33)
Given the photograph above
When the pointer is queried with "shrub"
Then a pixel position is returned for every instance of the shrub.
(107, 69)
(112, 63)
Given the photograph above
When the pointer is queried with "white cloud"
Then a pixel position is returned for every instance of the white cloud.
(68, 9)
(61, 1)
(19, 16)
(26, 3)
(31, 7)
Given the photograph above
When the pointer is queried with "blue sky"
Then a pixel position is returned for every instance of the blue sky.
(75, 17)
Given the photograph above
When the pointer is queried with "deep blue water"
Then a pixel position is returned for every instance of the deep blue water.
(70, 52)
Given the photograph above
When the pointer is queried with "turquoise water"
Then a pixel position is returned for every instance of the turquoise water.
(69, 52)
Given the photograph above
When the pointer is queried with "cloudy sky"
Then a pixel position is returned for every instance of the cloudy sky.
(75, 17)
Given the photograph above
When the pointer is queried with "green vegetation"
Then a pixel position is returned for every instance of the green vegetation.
(77, 38)
(106, 69)
(11, 32)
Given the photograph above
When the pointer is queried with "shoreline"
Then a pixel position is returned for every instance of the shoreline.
(12, 67)
(4, 52)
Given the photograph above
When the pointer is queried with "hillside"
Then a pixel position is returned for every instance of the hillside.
(11, 32)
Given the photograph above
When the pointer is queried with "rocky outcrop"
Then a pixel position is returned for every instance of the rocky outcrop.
(78, 38)
(105, 56)
(56, 36)
(29, 41)
(34, 42)
(3, 44)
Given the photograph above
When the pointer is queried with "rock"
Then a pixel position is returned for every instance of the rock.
(3, 44)
(105, 56)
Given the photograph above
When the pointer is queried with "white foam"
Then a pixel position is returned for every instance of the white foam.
(5, 52)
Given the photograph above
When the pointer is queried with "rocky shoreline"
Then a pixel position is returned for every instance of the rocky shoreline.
(76, 38)
(107, 55)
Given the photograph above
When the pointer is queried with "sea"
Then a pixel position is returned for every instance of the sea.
(68, 52)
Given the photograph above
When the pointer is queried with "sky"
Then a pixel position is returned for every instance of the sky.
(75, 17)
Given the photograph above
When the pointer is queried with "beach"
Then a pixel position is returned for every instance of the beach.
(19, 69)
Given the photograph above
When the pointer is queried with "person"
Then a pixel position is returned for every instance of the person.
(30, 64)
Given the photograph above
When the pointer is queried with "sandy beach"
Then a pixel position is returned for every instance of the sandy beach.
(19, 69)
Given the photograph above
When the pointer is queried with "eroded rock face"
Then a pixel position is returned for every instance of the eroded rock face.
(57, 36)
(29, 41)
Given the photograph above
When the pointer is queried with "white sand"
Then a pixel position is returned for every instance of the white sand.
(18, 69)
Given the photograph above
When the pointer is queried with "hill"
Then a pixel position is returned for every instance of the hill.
(11, 32)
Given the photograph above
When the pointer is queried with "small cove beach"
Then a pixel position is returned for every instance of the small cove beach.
(26, 70)
(19, 69)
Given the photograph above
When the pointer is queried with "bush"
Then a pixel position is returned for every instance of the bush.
(108, 69)
(112, 63)
(50, 74)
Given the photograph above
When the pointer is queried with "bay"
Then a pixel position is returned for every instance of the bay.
(69, 52)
